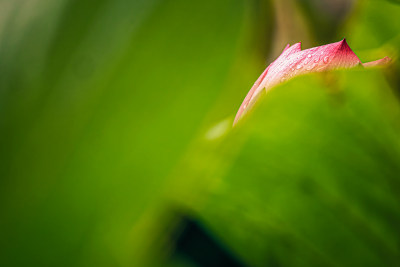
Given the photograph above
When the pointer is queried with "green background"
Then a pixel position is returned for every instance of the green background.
(114, 114)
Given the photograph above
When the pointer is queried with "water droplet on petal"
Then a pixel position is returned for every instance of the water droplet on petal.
(299, 66)
(326, 59)
(316, 60)
(307, 59)
(311, 67)
(245, 105)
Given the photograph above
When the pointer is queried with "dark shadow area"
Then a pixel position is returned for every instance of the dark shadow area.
(199, 247)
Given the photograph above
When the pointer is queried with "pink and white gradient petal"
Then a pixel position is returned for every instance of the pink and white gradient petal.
(294, 62)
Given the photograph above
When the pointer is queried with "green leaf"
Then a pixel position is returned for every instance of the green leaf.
(316, 182)
(98, 103)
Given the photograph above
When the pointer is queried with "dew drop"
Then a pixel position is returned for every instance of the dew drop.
(299, 66)
(311, 67)
(316, 60)
(326, 59)
(308, 55)
(245, 105)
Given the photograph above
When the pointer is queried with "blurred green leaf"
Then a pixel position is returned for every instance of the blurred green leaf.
(99, 101)
(115, 114)
(316, 182)
(373, 25)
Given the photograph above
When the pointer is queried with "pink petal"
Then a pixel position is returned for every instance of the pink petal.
(379, 62)
(293, 62)
(250, 95)
(291, 50)
(321, 58)
(256, 89)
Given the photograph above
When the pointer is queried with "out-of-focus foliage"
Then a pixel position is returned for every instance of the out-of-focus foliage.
(98, 102)
(325, 17)
(317, 177)
(116, 114)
